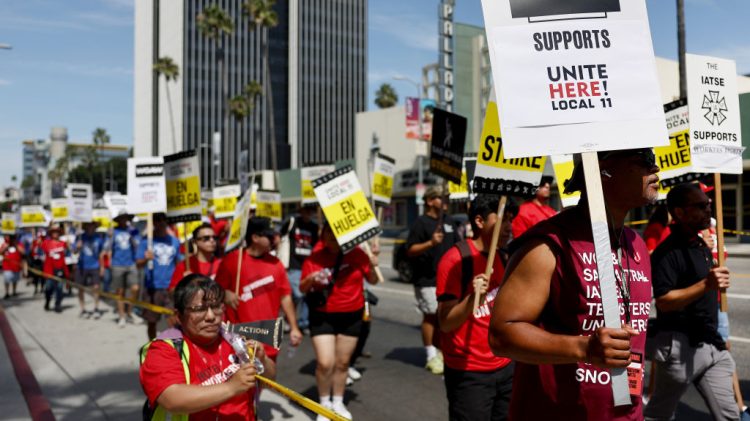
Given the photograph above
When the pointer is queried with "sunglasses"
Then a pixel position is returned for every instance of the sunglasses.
(208, 238)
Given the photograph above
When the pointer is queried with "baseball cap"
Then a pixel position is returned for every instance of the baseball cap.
(433, 192)
(576, 182)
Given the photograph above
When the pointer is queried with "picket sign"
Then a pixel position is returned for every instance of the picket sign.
(478, 299)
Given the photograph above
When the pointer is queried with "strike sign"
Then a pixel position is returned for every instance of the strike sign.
(146, 186)
(384, 168)
(9, 223)
(563, 166)
(116, 203)
(103, 218)
(225, 200)
(307, 175)
(674, 160)
(346, 207)
(60, 210)
(268, 204)
(33, 216)
(182, 175)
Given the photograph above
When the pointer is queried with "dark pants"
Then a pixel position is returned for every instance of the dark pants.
(53, 287)
(479, 396)
(361, 341)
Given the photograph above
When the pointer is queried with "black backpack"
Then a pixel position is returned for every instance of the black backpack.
(467, 265)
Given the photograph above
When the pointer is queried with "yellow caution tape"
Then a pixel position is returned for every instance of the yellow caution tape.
(301, 400)
(641, 222)
(137, 303)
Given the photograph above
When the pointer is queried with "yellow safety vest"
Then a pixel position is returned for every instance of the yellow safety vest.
(161, 414)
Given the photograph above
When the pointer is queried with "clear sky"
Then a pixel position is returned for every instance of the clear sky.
(72, 61)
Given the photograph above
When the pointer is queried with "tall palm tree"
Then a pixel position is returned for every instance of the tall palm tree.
(100, 137)
(386, 96)
(166, 67)
(214, 23)
(262, 16)
(681, 46)
(241, 105)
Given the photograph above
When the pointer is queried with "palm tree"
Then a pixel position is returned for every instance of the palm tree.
(262, 16)
(214, 23)
(240, 106)
(386, 96)
(166, 67)
(100, 137)
(681, 46)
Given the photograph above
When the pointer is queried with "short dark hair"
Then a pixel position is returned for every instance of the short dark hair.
(190, 285)
(258, 225)
(482, 205)
(200, 227)
(546, 179)
(678, 196)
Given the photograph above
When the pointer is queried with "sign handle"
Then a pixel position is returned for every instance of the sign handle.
(724, 304)
(150, 237)
(378, 273)
(605, 266)
(239, 269)
(479, 299)
(187, 246)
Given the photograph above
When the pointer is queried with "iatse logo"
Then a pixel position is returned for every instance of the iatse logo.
(149, 170)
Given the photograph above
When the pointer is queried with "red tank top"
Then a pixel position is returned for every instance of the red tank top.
(581, 391)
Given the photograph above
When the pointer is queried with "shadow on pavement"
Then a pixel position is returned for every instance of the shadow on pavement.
(411, 356)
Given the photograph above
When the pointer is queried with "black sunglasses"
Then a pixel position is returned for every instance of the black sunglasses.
(208, 238)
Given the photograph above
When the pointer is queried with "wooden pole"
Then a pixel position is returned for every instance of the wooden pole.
(150, 237)
(378, 273)
(479, 299)
(724, 304)
(187, 246)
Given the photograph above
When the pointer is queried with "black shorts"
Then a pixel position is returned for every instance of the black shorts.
(347, 324)
(476, 395)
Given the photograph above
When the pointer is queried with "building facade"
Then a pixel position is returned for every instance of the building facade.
(317, 63)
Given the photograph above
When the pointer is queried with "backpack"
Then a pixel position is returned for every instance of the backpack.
(467, 265)
(148, 410)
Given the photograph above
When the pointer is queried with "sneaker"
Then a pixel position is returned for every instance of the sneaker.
(46, 305)
(435, 365)
(97, 314)
(129, 319)
(326, 405)
(340, 409)
(121, 322)
(354, 374)
(349, 381)
(85, 314)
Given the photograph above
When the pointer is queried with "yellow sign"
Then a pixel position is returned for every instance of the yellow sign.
(307, 175)
(491, 150)
(347, 215)
(677, 154)
(239, 222)
(459, 191)
(9, 223)
(183, 193)
(268, 204)
(382, 185)
(33, 216)
(307, 190)
(103, 218)
(60, 212)
(224, 200)
(185, 229)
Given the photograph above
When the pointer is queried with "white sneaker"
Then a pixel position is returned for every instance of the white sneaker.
(327, 405)
(340, 409)
(354, 374)
(349, 381)
(121, 322)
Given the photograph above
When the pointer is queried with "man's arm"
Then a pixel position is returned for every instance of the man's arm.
(678, 299)
(453, 313)
(518, 306)
(190, 398)
(287, 306)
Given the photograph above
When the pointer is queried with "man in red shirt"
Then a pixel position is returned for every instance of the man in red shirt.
(204, 262)
(535, 210)
(12, 252)
(53, 253)
(478, 384)
(263, 285)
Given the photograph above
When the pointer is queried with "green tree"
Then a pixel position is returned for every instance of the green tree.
(386, 96)
(261, 16)
(241, 105)
(214, 23)
(167, 68)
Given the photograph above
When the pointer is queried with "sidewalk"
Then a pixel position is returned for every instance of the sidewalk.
(738, 249)
(12, 405)
(87, 369)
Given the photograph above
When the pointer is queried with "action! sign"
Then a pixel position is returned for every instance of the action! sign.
(225, 200)
(9, 223)
(307, 175)
(447, 147)
(60, 210)
(569, 74)
(268, 204)
(146, 186)
(383, 170)
(496, 174)
(182, 175)
(32, 216)
(715, 123)
(346, 208)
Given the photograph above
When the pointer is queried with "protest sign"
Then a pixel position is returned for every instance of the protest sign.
(383, 170)
(60, 209)
(116, 203)
(346, 208)
(563, 167)
(496, 174)
(419, 114)
(447, 147)
(239, 222)
(146, 186)
(674, 160)
(185, 229)
(81, 202)
(307, 175)
(182, 177)
(268, 204)
(103, 217)
(9, 223)
(567, 83)
(463, 191)
(224, 200)
(33, 216)
(715, 126)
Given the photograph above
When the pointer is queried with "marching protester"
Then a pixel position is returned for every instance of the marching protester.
(332, 282)
(90, 268)
(12, 251)
(263, 285)
(122, 250)
(478, 384)
(685, 288)
(32, 244)
(221, 229)
(193, 370)
(431, 235)
(535, 210)
(547, 316)
(657, 229)
(164, 255)
(302, 233)
(53, 252)
(204, 261)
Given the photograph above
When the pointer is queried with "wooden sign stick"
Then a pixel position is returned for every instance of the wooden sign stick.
(605, 266)
(479, 299)
(724, 304)
(378, 273)
(150, 237)
(187, 247)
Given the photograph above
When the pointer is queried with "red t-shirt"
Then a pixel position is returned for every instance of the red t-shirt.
(347, 293)
(467, 347)
(54, 256)
(654, 234)
(220, 226)
(530, 214)
(12, 257)
(208, 366)
(263, 283)
(196, 266)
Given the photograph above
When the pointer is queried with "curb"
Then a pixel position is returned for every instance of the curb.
(38, 405)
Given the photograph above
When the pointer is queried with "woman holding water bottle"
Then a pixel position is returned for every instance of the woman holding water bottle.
(332, 284)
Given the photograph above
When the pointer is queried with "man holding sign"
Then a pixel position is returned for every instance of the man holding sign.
(548, 315)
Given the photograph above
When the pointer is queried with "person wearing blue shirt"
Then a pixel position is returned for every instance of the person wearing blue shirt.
(89, 271)
(164, 257)
(122, 247)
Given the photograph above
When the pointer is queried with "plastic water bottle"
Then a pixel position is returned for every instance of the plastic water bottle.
(291, 351)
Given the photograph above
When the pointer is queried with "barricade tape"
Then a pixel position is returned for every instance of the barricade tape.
(290, 394)
(726, 231)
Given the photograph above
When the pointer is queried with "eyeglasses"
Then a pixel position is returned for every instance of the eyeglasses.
(208, 238)
(201, 310)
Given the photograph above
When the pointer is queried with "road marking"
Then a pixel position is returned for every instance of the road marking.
(740, 296)
(393, 291)
(734, 339)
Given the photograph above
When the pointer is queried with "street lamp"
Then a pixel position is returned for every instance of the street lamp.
(420, 156)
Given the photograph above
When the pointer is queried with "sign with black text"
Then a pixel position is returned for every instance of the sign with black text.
(146, 186)
(383, 171)
(447, 147)
(182, 177)
(60, 209)
(81, 202)
(307, 175)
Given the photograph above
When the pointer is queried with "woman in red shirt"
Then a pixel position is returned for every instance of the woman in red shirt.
(54, 251)
(332, 281)
(12, 252)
